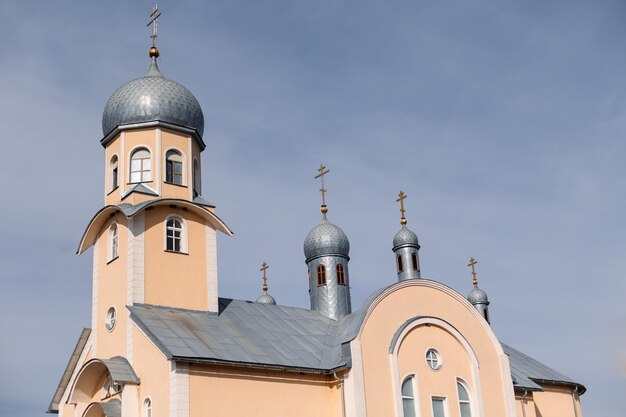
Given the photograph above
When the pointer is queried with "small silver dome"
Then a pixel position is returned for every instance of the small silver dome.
(405, 237)
(266, 298)
(150, 98)
(477, 296)
(326, 239)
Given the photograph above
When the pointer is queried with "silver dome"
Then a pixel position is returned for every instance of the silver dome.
(477, 296)
(405, 237)
(326, 239)
(266, 298)
(150, 98)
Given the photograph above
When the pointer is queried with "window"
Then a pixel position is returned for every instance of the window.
(147, 408)
(439, 409)
(110, 319)
(196, 178)
(113, 169)
(174, 167)
(415, 261)
(433, 359)
(140, 166)
(107, 387)
(400, 268)
(174, 235)
(408, 399)
(113, 242)
(321, 275)
(341, 278)
(464, 400)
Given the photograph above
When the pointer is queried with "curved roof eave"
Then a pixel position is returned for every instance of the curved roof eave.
(129, 210)
(154, 123)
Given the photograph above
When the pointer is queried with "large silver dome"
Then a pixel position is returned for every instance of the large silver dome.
(405, 237)
(477, 296)
(150, 98)
(326, 239)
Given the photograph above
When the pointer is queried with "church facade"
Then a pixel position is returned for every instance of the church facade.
(163, 343)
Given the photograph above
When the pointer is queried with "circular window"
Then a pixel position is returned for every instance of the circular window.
(433, 359)
(111, 318)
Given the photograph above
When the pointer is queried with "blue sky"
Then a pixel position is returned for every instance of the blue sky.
(504, 122)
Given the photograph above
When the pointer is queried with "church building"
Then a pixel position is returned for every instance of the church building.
(163, 343)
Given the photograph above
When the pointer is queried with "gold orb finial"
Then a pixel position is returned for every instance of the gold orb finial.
(324, 209)
(153, 52)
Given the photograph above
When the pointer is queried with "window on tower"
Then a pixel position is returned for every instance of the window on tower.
(399, 262)
(321, 275)
(174, 235)
(113, 172)
(415, 261)
(140, 166)
(341, 278)
(114, 241)
(196, 178)
(174, 167)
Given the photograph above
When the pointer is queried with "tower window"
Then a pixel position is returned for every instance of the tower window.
(321, 275)
(174, 235)
(113, 169)
(408, 398)
(341, 278)
(140, 166)
(399, 262)
(174, 167)
(464, 400)
(196, 178)
(415, 261)
(114, 240)
(110, 319)
(147, 408)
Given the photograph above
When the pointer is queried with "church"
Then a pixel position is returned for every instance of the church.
(163, 343)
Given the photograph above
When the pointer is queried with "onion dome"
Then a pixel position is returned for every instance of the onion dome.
(266, 298)
(152, 98)
(326, 239)
(405, 237)
(477, 296)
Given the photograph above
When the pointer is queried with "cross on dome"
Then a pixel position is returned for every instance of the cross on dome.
(154, 52)
(264, 268)
(321, 172)
(400, 199)
(471, 264)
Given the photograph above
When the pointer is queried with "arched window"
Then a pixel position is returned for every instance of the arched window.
(399, 261)
(140, 166)
(415, 262)
(147, 408)
(321, 275)
(174, 167)
(196, 178)
(113, 172)
(174, 235)
(464, 400)
(408, 397)
(341, 278)
(110, 319)
(114, 240)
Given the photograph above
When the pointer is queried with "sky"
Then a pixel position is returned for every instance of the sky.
(503, 122)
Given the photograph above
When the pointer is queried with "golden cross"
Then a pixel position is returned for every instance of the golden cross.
(264, 267)
(400, 200)
(323, 171)
(471, 263)
(153, 21)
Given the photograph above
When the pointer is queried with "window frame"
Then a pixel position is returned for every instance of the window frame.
(415, 261)
(114, 173)
(340, 272)
(179, 153)
(321, 275)
(195, 178)
(415, 398)
(399, 263)
(110, 322)
(461, 383)
(147, 172)
(438, 358)
(183, 235)
(444, 400)
(113, 242)
(146, 411)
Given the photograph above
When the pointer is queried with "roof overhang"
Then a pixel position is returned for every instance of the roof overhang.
(112, 408)
(151, 124)
(102, 216)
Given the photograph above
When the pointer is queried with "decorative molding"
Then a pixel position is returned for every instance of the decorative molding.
(94, 296)
(179, 389)
(211, 268)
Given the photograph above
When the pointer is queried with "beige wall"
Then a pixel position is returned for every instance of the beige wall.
(528, 408)
(223, 391)
(175, 279)
(153, 370)
(422, 298)
(555, 401)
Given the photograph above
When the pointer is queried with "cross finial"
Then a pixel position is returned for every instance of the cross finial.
(471, 263)
(154, 52)
(321, 172)
(264, 268)
(400, 200)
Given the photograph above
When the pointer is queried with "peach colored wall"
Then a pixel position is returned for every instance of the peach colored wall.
(555, 401)
(392, 311)
(243, 393)
(153, 370)
(529, 406)
(112, 290)
(441, 382)
(175, 279)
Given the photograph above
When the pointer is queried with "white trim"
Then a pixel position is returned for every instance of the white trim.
(143, 406)
(190, 183)
(109, 241)
(109, 178)
(210, 247)
(179, 389)
(355, 384)
(152, 165)
(437, 356)
(135, 273)
(121, 174)
(470, 394)
(106, 318)
(95, 290)
(446, 407)
(157, 159)
(164, 161)
(416, 397)
(130, 398)
(184, 240)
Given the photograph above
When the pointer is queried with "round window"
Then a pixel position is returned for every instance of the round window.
(111, 318)
(433, 359)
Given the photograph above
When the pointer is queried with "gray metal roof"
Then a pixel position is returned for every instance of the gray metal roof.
(405, 237)
(528, 372)
(150, 98)
(112, 408)
(477, 296)
(121, 371)
(326, 239)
